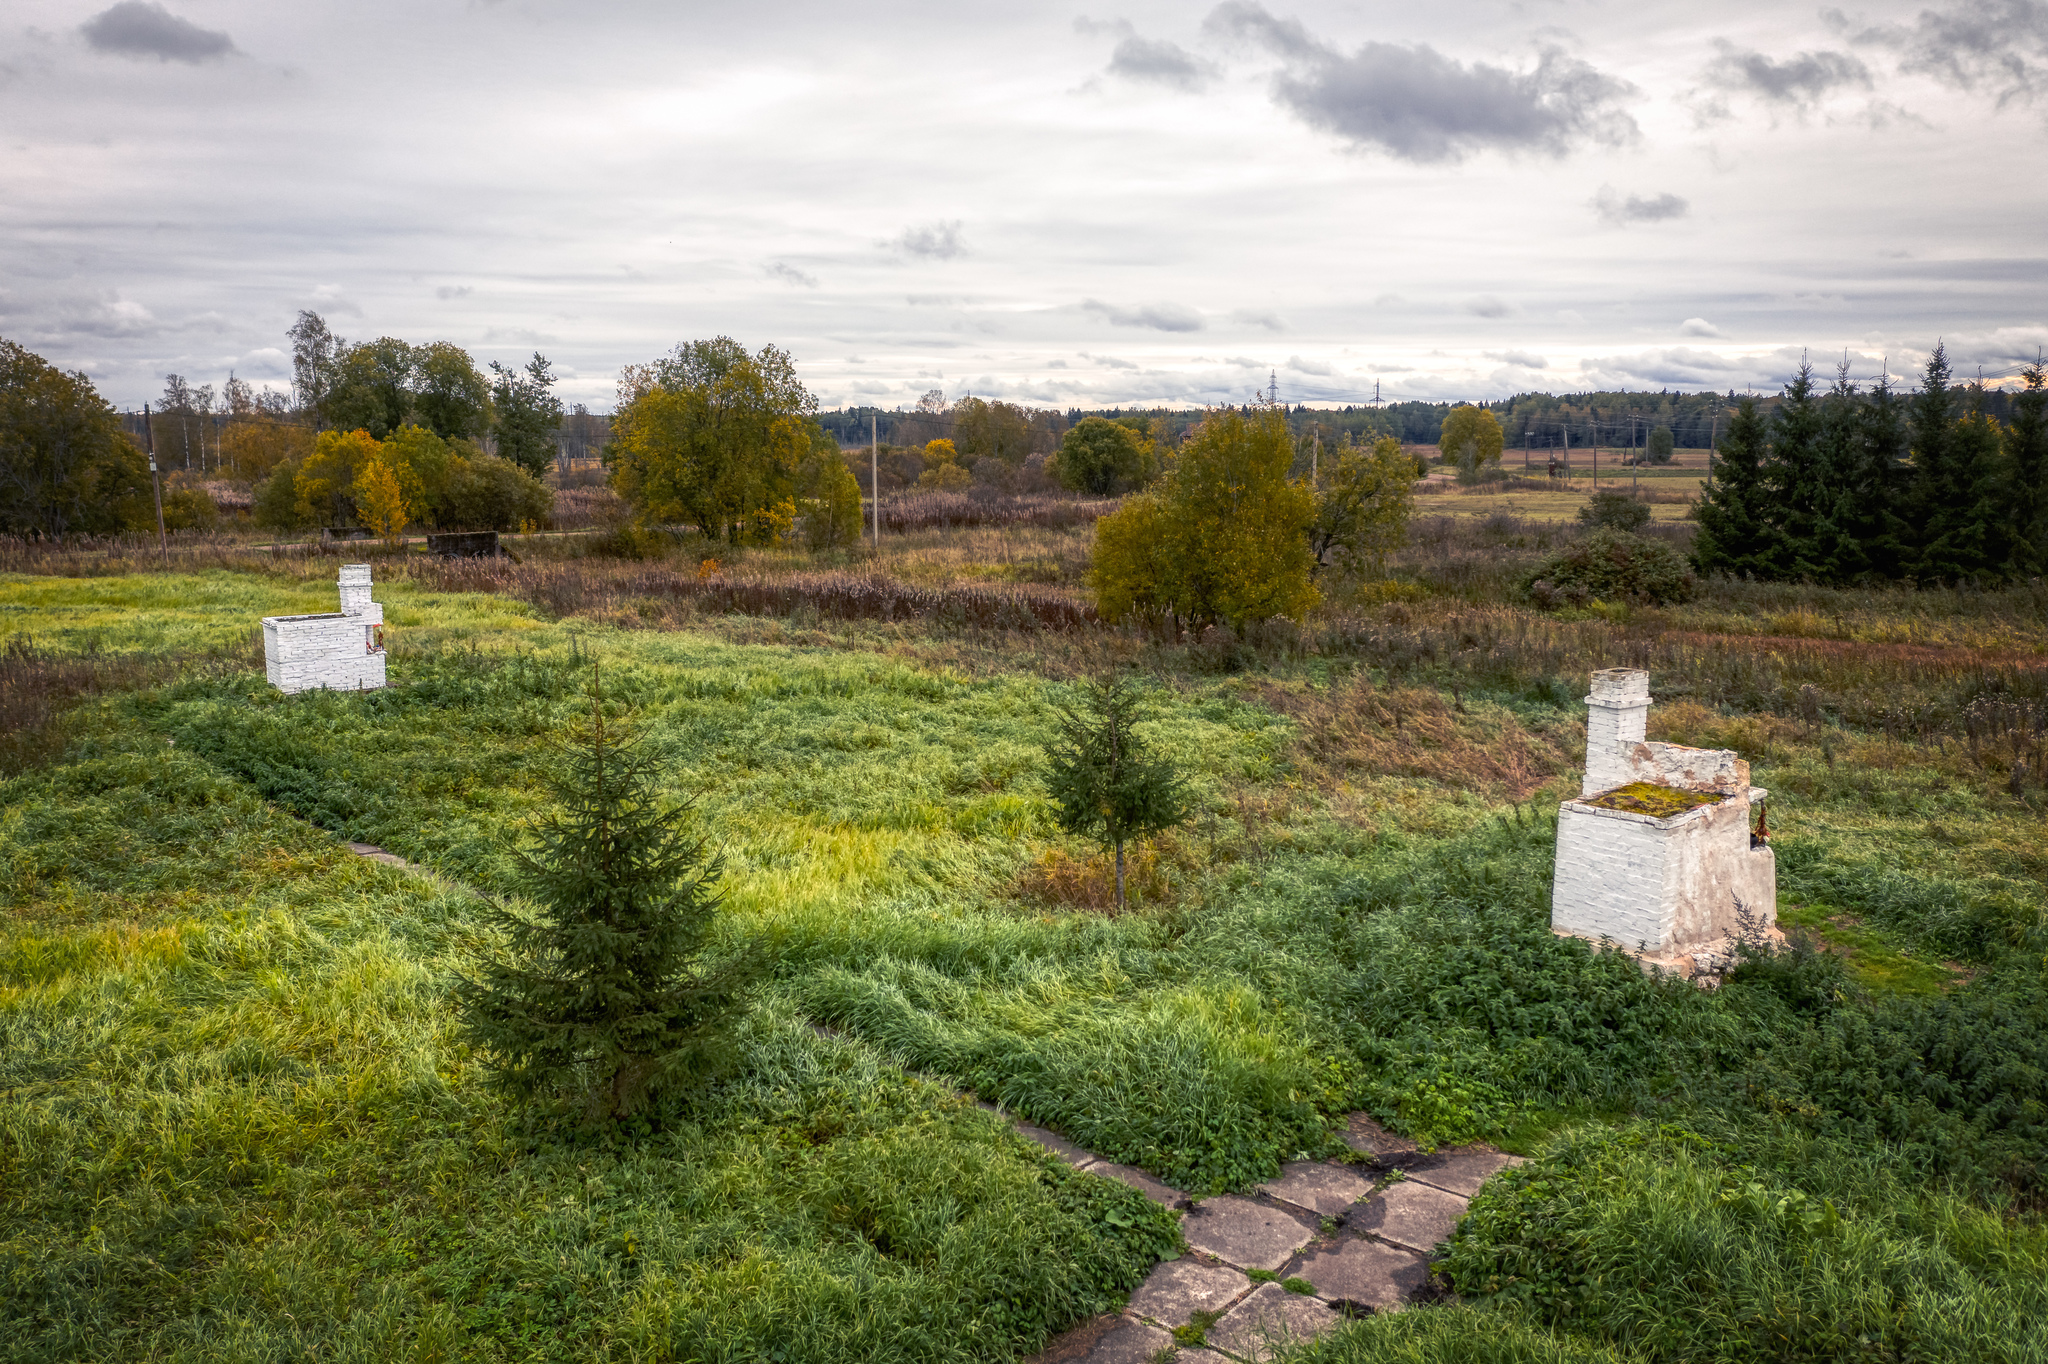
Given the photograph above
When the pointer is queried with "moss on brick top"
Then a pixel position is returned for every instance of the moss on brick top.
(1647, 798)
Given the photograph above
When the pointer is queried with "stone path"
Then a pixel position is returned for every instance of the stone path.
(1360, 1236)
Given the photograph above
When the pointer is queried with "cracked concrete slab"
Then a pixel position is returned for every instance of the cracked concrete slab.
(1164, 1195)
(1107, 1340)
(1247, 1234)
(1365, 1274)
(1412, 1215)
(1180, 1288)
(1321, 1188)
(1271, 1317)
(1364, 1135)
(1460, 1171)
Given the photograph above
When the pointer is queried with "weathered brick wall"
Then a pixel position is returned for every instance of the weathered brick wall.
(333, 651)
(1610, 878)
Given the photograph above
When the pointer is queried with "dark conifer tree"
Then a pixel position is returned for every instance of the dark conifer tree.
(1985, 539)
(1795, 476)
(606, 997)
(2026, 452)
(1873, 534)
(1735, 534)
(1943, 502)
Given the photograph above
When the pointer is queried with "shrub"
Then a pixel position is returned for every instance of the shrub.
(1614, 511)
(488, 493)
(1613, 566)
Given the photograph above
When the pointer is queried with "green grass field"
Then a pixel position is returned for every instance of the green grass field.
(237, 1120)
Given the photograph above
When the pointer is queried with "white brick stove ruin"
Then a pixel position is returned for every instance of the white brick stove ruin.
(339, 651)
(1658, 854)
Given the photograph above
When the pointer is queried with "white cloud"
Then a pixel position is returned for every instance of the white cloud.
(1698, 326)
(933, 241)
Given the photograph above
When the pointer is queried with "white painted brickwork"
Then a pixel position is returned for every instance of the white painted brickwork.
(1659, 886)
(340, 651)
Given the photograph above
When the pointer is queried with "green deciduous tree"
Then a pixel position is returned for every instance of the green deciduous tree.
(712, 436)
(66, 467)
(1103, 457)
(1107, 786)
(529, 413)
(1735, 534)
(449, 397)
(1363, 505)
(1660, 446)
(1471, 440)
(1223, 536)
(607, 995)
(999, 431)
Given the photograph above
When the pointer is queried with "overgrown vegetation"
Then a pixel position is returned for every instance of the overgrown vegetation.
(239, 1117)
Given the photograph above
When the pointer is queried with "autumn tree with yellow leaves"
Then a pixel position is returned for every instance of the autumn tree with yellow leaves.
(1222, 537)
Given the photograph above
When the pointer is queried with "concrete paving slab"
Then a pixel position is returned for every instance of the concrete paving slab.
(1247, 1234)
(1270, 1317)
(1164, 1195)
(377, 854)
(1365, 1275)
(1321, 1188)
(1106, 1340)
(1412, 1215)
(1057, 1144)
(1461, 1170)
(1364, 1135)
(1180, 1288)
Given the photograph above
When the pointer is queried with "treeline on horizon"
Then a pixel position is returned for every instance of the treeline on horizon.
(1834, 484)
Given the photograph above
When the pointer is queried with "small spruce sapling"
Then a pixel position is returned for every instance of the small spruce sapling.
(1106, 785)
(605, 997)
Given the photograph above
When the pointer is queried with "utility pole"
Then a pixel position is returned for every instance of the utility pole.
(875, 472)
(1315, 459)
(1567, 455)
(163, 541)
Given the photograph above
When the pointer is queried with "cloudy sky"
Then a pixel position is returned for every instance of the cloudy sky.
(1037, 202)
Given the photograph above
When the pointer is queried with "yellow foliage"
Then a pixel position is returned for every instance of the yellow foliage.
(940, 451)
(253, 446)
(381, 497)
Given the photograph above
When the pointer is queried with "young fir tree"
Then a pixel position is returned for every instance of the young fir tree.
(2026, 453)
(1736, 535)
(606, 997)
(1107, 787)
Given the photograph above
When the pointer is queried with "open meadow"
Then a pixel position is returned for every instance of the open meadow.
(238, 1119)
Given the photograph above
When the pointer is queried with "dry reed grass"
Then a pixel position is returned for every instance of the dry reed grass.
(1362, 729)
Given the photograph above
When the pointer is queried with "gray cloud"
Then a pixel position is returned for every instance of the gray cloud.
(1518, 357)
(1252, 317)
(789, 274)
(135, 28)
(1698, 326)
(1800, 81)
(1487, 306)
(1315, 367)
(1165, 317)
(1999, 44)
(935, 241)
(1153, 60)
(1618, 211)
(1110, 361)
(448, 291)
(1423, 106)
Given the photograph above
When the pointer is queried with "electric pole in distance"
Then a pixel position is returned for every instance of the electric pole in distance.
(163, 542)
